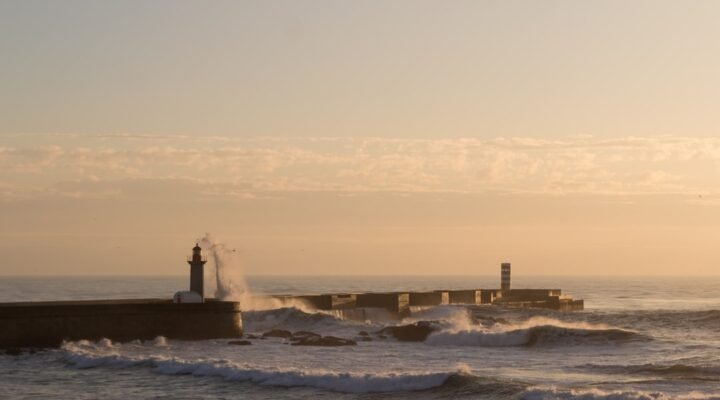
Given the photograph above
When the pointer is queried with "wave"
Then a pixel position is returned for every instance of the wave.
(320, 379)
(293, 319)
(593, 394)
(541, 335)
(681, 371)
(451, 384)
(655, 319)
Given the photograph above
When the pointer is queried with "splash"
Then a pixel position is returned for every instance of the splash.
(229, 279)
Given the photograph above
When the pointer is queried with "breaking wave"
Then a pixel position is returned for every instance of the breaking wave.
(459, 382)
(664, 319)
(293, 319)
(320, 379)
(681, 371)
(540, 335)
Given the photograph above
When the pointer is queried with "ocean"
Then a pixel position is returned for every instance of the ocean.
(638, 338)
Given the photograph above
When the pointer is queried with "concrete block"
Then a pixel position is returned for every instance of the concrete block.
(531, 294)
(395, 302)
(435, 298)
(323, 301)
(489, 296)
(464, 297)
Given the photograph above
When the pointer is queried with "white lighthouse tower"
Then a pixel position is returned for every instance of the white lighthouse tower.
(196, 294)
(197, 271)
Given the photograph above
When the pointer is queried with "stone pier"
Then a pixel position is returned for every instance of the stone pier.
(48, 324)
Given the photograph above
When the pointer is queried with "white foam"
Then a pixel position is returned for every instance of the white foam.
(479, 338)
(455, 317)
(539, 334)
(457, 329)
(544, 321)
(297, 320)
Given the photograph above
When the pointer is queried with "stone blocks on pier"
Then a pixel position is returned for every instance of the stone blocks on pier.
(464, 297)
(436, 298)
(329, 301)
(394, 302)
(539, 298)
(490, 296)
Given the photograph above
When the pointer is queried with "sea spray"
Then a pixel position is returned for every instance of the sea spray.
(229, 279)
(229, 282)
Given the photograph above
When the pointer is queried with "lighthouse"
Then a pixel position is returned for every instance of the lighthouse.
(197, 271)
(505, 276)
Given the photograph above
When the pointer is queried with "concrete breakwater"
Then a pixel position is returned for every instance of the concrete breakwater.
(48, 324)
(355, 305)
(399, 303)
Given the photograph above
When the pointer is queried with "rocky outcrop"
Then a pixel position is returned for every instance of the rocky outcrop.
(304, 334)
(278, 333)
(325, 341)
(306, 338)
(240, 342)
(416, 332)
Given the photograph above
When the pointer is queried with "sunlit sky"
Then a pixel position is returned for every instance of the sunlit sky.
(374, 137)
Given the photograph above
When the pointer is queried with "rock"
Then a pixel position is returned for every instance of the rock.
(416, 332)
(240, 342)
(325, 341)
(363, 333)
(382, 337)
(304, 334)
(251, 336)
(279, 333)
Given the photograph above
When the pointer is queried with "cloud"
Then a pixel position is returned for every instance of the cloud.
(248, 168)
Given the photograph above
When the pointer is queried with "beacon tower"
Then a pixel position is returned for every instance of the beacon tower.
(505, 276)
(197, 267)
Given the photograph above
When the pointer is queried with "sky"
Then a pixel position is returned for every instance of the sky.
(351, 138)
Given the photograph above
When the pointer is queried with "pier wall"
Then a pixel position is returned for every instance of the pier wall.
(398, 303)
(435, 298)
(394, 302)
(531, 293)
(48, 324)
(489, 296)
(464, 297)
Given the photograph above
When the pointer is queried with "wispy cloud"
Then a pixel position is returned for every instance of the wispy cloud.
(248, 167)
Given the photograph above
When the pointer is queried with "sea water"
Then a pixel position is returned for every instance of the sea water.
(639, 338)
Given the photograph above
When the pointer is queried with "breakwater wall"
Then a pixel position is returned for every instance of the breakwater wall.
(48, 324)
(399, 303)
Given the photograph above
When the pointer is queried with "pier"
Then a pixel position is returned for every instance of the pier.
(48, 324)
(190, 316)
(399, 304)
(187, 316)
